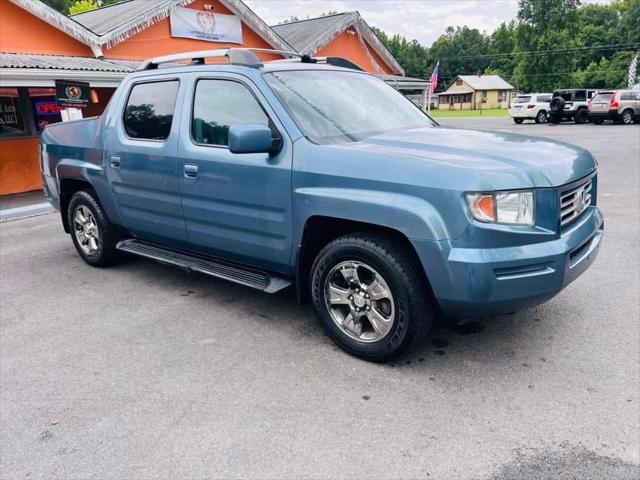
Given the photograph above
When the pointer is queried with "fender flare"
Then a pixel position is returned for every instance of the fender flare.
(414, 217)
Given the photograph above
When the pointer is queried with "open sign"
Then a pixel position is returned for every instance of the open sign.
(45, 109)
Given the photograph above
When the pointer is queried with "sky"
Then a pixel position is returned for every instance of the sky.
(423, 20)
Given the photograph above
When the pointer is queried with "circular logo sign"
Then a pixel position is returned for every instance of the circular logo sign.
(206, 22)
(73, 92)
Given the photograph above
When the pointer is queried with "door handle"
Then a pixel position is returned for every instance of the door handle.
(115, 161)
(190, 170)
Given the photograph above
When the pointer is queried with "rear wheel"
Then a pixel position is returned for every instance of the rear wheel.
(369, 296)
(541, 117)
(518, 120)
(93, 235)
(627, 117)
(581, 116)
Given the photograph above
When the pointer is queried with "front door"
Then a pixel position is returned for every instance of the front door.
(142, 162)
(237, 206)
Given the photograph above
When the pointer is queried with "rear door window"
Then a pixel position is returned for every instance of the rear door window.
(149, 111)
(627, 96)
(580, 96)
(544, 98)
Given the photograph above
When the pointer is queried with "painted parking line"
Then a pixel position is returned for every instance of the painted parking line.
(25, 212)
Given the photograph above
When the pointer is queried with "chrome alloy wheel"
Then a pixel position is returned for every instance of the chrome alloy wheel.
(359, 301)
(542, 117)
(86, 230)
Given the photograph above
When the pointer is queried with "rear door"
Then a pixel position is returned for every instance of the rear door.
(142, 163)
(237, 206)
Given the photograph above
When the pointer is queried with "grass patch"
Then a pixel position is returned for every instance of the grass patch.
(492, 112)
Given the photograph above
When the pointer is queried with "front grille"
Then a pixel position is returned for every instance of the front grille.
(574, 202)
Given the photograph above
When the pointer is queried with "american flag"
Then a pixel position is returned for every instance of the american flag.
(434, 79)
(632, 71)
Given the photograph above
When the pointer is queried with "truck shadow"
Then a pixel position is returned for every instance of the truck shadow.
(484, 340)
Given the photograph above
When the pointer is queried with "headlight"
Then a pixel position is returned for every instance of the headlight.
(514, 208)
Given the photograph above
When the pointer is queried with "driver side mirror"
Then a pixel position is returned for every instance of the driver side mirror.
(253, 138)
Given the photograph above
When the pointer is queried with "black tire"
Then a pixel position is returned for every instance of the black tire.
(518, 120)
(541, 117)
(627, 117)
(597, 121)
(108, 234)
(397, 266)
(557, 105)
(581, 116)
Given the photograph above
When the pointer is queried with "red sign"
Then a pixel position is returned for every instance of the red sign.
(45, 109)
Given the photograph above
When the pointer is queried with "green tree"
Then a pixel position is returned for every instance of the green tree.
(502, 43)
(461, 50)
(59, 5)
(81, 6)
(545, 27)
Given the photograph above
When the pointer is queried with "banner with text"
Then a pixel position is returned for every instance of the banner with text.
(207, 26)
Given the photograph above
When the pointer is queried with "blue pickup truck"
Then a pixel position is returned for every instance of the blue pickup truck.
(299, 172)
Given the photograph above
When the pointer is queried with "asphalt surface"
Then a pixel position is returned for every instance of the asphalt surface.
(143, 371)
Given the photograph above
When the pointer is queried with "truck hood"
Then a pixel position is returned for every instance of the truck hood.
(491, 160)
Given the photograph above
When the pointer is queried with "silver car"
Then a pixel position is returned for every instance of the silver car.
(617, 105)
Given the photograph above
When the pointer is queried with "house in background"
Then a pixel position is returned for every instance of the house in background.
(476, 92)
(345, 35)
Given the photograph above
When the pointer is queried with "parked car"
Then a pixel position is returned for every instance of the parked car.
(617, 105)
(533, 106)
(301, 173)
(570, 105)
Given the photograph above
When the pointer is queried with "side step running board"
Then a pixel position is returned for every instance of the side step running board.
(216, 268)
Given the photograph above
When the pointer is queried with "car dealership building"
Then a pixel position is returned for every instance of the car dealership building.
(40, 48)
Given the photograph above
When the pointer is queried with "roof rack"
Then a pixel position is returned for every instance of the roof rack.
(243, 56)
(236, 56)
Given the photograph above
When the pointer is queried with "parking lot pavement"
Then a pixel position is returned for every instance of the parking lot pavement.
(144, 371)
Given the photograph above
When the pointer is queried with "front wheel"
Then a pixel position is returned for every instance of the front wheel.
(541, 117)
(93, 235)
(370, 297)
(518, 120)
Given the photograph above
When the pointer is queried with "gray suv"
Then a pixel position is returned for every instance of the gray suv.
(618, 105)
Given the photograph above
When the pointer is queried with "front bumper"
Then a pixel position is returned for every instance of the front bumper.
(470, 282)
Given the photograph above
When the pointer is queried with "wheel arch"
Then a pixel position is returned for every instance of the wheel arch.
(630, 110)
(320, 230)
(67, 188)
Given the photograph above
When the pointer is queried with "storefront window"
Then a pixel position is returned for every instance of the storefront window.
(44, 107)
(11, 118)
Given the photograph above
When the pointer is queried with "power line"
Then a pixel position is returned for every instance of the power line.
(633, 45)
(606, 70)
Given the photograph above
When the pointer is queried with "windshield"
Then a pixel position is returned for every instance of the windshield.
(337, 106)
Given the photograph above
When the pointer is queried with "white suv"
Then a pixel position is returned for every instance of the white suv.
(532, 105)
